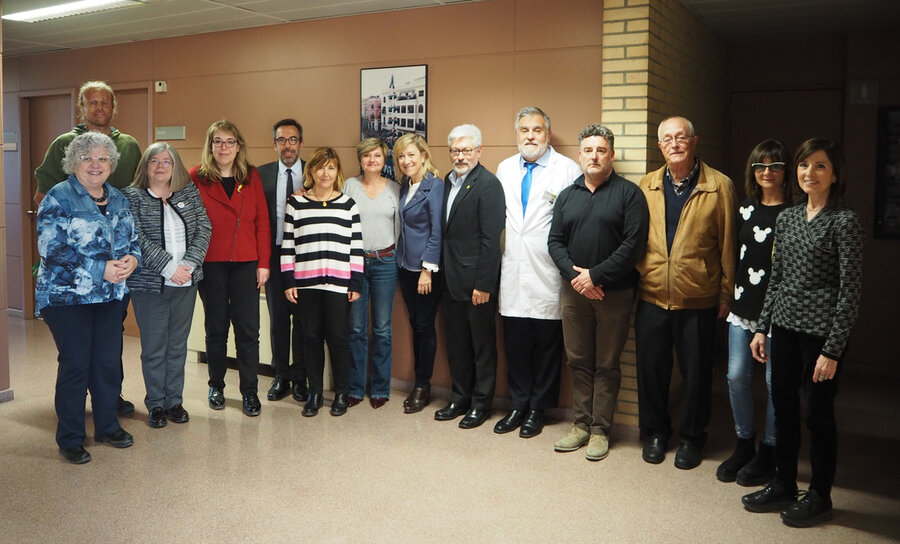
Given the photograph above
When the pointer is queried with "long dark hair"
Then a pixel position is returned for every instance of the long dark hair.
(775, 151)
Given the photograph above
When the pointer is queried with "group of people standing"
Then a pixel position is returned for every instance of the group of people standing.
(561, 249)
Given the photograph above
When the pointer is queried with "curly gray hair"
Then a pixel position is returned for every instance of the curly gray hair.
(84, 144)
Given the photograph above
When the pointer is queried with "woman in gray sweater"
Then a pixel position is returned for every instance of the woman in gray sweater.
(174, 235)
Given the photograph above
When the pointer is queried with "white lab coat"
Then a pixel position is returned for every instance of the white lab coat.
(530, 284)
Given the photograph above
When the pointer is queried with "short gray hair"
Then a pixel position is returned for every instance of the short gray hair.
(532, 110)
(597, 130)
(83, 144)
(465, 131)
(685, 119)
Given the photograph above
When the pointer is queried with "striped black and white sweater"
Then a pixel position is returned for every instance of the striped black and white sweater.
(816, 275)
(322, 245)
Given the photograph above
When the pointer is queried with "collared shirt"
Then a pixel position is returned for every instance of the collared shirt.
(679, 185)
(280, 203)
(542, 162)
(456, 182)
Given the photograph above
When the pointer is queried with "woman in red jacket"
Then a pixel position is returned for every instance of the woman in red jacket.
(236, 264)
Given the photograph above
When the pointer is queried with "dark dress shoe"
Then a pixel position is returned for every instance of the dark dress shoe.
(123, 406)
(688, 455)
(279, 389)
(118, 439)
(77, 455)
(340, 404)
(451, 411)
(378, 402)
(775, 496)
(812, 509)
(251, 404)
(417, 400)
(313, 403)
(216, 398)
(474, 418)
(510, 423)
(654, 449)
(299, 391)
(533, 424)
(353, 401)
(157, 418)
(177, 414)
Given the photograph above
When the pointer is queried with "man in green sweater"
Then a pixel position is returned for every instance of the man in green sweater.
(98, 106)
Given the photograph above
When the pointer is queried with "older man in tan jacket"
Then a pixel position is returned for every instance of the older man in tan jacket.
(687, 276)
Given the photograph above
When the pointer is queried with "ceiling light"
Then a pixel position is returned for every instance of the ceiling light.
(68, 9)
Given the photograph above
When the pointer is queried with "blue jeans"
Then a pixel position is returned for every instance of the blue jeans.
(740, 381)
(379, 285)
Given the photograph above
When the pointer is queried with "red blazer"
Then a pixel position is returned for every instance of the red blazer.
(240, 224)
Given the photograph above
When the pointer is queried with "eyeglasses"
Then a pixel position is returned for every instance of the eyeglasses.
(681, 139)
(228, 144)
(760, 167)
(102, 159)
(156, 162)
(293, 140)
(467, 152)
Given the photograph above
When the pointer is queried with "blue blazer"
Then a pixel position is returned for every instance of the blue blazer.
(420, 224)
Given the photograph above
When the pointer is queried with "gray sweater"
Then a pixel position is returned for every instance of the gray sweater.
(148, 217)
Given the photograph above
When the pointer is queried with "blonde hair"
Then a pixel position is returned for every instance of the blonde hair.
(209, 170)
(180, 176)
(321, 157)
(371, 144)
(412, 138)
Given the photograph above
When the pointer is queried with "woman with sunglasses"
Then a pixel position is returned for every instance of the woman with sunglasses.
(237, 261)
(769, 192)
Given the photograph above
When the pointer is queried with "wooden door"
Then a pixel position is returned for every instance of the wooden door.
(791, 116)
(47, 117)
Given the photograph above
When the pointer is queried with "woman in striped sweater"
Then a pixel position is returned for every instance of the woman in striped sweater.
(322, 264)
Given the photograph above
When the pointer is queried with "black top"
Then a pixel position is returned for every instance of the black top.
(605, 231)
(756, 234)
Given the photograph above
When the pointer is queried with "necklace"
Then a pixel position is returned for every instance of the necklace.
(102, 198)
(324, 201)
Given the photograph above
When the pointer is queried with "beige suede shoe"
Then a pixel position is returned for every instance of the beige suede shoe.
(572, 441)
(598, 448)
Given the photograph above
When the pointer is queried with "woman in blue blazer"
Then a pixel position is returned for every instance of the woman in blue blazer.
(418, 256)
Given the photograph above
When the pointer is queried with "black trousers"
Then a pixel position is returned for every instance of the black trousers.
(229, 295)
(326, 318)
(422, 311)
(533, 360)
(472, 351)
(794, 357)
(692, 334)
(285, 328)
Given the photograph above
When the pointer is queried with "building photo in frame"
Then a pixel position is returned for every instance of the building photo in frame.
(393, 102)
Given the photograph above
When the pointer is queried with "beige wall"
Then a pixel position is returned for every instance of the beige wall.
(485, 61)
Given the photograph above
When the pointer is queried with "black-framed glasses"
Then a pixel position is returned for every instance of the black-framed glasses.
(467, 152)
(293, 140)
(760, 167)
(228, 144)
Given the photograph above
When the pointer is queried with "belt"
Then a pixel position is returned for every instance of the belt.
(386, 252)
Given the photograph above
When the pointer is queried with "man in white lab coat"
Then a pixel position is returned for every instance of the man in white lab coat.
(530, 284)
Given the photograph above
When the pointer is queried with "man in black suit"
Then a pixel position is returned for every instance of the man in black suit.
(474, 216)
(280, 180)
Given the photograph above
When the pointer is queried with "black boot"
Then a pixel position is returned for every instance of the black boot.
(743, 453)
(759, 470)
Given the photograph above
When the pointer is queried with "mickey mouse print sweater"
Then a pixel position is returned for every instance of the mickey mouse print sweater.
(756, 234)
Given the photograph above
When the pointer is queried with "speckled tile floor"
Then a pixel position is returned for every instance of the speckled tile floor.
(383, 476)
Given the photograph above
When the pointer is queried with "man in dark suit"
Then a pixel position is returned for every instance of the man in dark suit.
(474, 216)
(280, 180)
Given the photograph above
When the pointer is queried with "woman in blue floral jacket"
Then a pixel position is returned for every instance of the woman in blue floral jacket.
(88, 246)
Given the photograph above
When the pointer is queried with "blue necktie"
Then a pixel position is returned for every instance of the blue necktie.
(526, 185)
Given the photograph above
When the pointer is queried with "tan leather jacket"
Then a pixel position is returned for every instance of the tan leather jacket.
(699, 273)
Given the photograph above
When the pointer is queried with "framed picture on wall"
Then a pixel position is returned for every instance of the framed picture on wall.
(887, 188)
(392, 102)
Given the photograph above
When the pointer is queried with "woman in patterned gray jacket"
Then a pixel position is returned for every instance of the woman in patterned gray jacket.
(811, 304)
(174, 235)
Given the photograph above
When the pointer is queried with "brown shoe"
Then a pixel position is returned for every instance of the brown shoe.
(378, 402)
(417, 400)
(353, 402)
